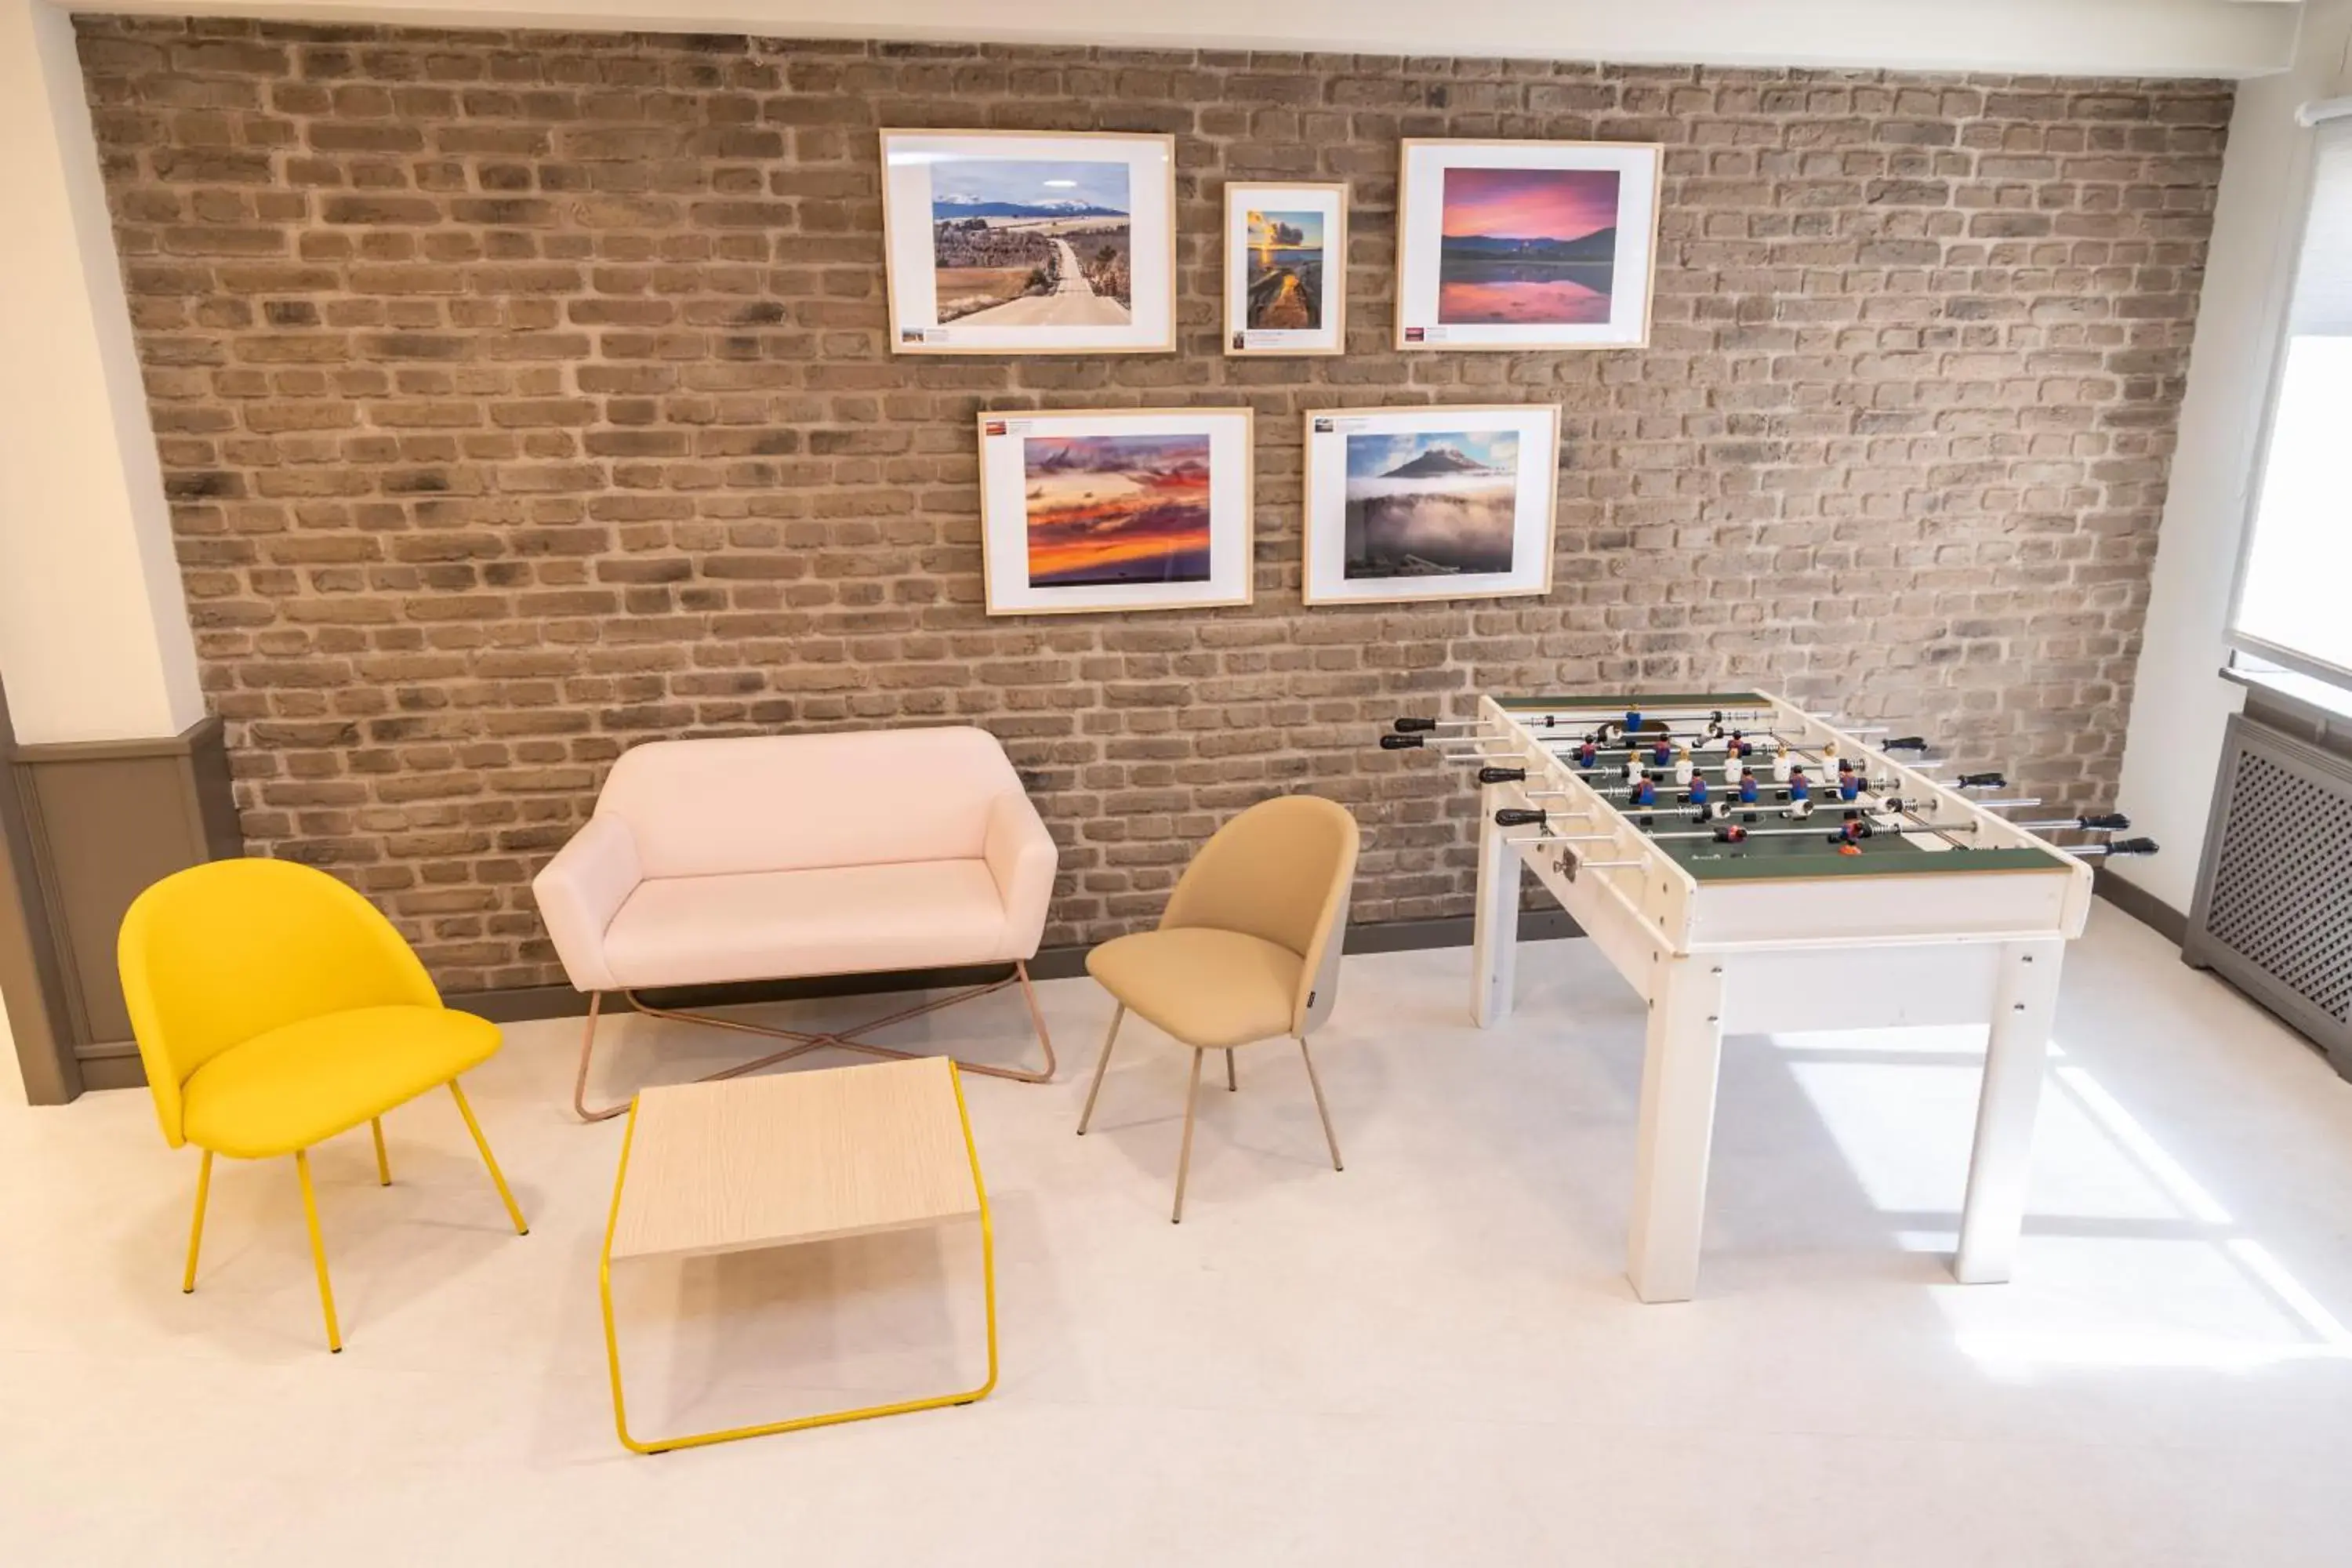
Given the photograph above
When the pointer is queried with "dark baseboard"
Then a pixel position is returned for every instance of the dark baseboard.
(2141, 905)
(514, 1005)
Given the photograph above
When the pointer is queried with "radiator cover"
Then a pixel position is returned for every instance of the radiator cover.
(2273, 910)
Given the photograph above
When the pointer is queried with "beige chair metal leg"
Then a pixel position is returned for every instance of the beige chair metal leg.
(383, 1162)
(1184, 1154)
(317, 1250)
(498, 1178)
(196, 1227)
(1320, 1109)
(1103, 1061)
(1232, 1084)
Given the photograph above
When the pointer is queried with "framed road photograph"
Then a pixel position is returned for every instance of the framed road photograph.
(1135, 509)
(1285, 270)
(1017, 242)
(1525, 244)
(1430, 503)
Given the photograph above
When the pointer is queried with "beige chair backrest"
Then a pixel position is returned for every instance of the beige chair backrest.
(1280, 872)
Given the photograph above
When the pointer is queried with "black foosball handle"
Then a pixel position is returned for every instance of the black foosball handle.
(1980, 781)
(2132, 847)
(1518, 816)
(1502, 775)
(1399, 742)
(1905, 744)
(1415, 726)
(2107, 822)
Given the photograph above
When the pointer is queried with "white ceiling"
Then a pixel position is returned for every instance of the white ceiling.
(2163, 38)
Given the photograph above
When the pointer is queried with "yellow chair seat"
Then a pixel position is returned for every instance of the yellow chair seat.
(302, 1083)
(1210, 988)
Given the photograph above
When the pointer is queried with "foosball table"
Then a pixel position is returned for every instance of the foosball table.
(1730, 854)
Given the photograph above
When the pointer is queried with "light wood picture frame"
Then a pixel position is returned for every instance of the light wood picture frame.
(1430, 502)
(1030, 242)
(1527, 245)
(1084, 510)
(1286, 269)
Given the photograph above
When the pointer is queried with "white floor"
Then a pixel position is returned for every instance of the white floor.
(1430, 1358)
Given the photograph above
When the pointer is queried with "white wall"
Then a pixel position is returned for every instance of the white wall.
(94, 641)
(2173, 745)
(2116, 37)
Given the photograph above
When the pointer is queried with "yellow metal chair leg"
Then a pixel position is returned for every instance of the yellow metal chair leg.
(497, 1177)
(317, 1250)
(383, 1162)
(196, 1226)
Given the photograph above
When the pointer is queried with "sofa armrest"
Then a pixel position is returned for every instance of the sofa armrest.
(580, 892)
(1022, 858)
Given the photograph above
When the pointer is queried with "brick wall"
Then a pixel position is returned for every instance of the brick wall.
(522, 397)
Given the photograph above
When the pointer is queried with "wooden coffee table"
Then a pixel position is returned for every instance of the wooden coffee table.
(744, 1164)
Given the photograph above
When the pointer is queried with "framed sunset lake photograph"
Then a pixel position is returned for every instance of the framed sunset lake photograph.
(1018, 242)
(1430, 503)
(1525, 244)
(1286, 269)
(1133, 509)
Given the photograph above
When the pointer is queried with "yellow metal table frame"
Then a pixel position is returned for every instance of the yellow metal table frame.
(799, 1423)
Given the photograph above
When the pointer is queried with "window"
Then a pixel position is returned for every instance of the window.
(2294, 584)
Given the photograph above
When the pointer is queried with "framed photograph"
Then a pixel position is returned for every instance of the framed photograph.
(1285, 270)
(1525, 244)
(1018, 242)
(1430, 503)
(1134, 509)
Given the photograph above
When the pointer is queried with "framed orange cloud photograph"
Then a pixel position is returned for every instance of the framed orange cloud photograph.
(1132, 509)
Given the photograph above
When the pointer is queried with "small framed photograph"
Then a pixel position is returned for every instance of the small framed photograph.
(1140, 509)
(1016, 242)
(1430, 503)
(1285, 270)
(1525, 244)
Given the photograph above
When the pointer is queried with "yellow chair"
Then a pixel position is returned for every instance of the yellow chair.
(274, 1008)
(1248, 948)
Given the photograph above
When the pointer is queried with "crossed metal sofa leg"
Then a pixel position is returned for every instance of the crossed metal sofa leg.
(804, 1042)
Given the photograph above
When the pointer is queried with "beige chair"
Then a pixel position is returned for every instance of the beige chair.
(1247, 950)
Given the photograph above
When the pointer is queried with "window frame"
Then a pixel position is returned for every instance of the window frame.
(2333, 119)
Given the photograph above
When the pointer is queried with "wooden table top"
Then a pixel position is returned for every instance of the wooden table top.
(799, 1156)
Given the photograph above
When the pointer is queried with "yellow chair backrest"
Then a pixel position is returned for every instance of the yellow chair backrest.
(218, 954)
(1280, 872)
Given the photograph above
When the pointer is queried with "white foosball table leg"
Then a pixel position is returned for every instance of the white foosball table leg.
(1495, 926)
(2025, 999)
(1681, 1055)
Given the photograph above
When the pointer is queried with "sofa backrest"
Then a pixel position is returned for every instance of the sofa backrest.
(797, 803)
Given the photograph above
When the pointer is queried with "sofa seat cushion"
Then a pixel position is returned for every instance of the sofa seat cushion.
(775, 925)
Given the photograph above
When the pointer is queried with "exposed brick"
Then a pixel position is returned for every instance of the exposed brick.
(522, 398)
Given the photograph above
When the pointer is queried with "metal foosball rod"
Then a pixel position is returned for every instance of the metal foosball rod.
(1848, 832)
(2113, 846)
(1419, 741)
(2105, 822)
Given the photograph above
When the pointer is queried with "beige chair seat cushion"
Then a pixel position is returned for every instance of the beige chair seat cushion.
(1207, 987)
(842, 920)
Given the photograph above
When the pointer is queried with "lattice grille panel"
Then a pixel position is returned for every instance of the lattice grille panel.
(2282, 881)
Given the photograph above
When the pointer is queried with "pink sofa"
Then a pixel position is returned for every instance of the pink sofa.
(781, 857)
